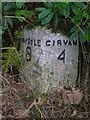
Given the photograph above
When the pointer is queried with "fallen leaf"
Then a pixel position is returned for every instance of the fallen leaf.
(74, 113)
(71, 96)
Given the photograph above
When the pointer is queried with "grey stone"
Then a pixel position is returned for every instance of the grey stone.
(50, 59)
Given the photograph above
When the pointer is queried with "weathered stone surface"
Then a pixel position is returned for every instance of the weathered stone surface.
(51, 60)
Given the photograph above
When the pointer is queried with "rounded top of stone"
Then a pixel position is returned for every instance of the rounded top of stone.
(45, 30)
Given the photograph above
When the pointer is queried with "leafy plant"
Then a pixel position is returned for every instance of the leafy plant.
(18, 34)
(76, 12)
(14, 13)
(11, 57)
(52, 11)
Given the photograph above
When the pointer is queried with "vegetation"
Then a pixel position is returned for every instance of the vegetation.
(19, 100)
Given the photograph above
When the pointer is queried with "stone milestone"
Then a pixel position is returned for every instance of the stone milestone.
(50, 59)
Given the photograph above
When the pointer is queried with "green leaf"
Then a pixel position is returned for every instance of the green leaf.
(74, 35)
(89, 24)
(40, 9)
(24, 13)
(68, 10)
(84, 34)
(18, 34)
(56, 4)
(62, 6)
(82, 37)
(44, 98)
(79, 5)
(20, 4)
(89, 17)
(87, 37)
(48, 18)
(20, 19)
(76, 18)
(74, 8)
(3, 21)
(0, 30)
(73, 29)
(8, 6)
(44, 13)
(9, 20)
(4, 27)
(48, 5)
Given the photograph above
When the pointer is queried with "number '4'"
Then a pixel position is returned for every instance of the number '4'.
(62, 56)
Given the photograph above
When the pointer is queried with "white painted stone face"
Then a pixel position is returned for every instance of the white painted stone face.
(50, 60)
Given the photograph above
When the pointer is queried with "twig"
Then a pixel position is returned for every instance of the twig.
(17, 17)
(8, 48)
(29, 108)
(77, 25)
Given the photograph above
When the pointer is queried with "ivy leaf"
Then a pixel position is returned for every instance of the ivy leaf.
(40, 9)
(44, 13)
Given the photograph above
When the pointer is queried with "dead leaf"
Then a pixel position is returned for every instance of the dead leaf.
(17, 87)
(71, 96)
(19, 113)
(74, 113)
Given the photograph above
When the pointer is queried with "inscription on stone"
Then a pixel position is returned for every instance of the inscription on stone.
(51, 59)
